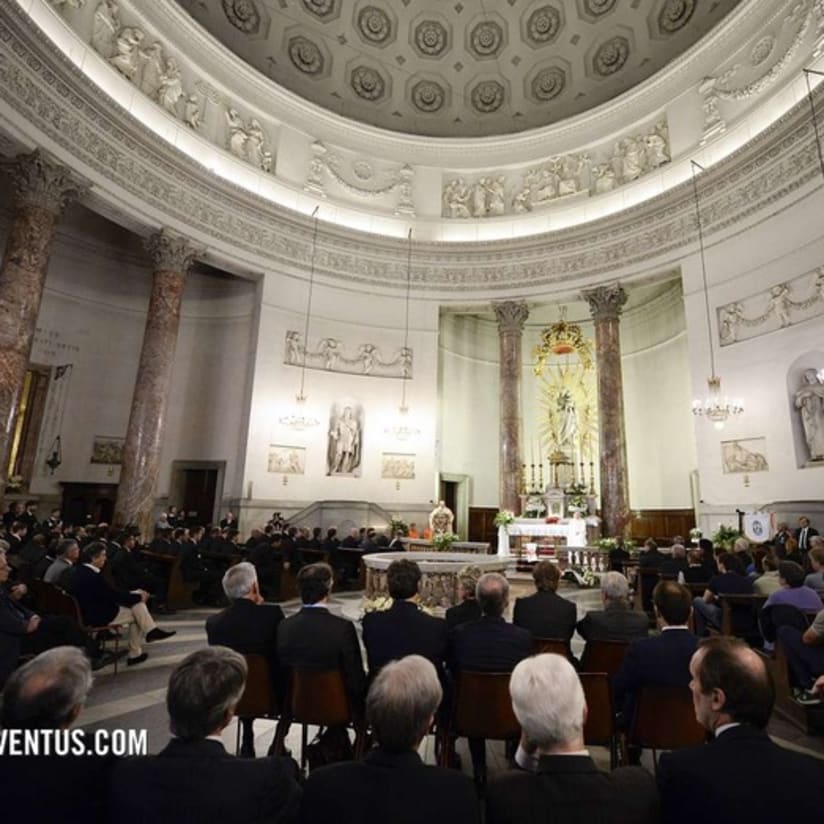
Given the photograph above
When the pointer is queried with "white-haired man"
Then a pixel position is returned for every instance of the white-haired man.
(392, 783)
(248, 626)
(549, 703)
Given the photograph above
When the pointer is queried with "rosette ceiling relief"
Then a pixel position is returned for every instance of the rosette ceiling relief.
(461, 68)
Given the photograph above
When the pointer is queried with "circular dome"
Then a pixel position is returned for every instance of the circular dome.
(458, 69)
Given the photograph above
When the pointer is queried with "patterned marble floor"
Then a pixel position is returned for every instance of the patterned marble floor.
(135, 698)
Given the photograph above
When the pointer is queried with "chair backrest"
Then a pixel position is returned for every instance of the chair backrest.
(600, 724)
(42, 593)
(604, 656)
(482, 707)
(556, 645)
(739, 614)
(665, 719)
(782, 615)
(258, 699)
(318, 697)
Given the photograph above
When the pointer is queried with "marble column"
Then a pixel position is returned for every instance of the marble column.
(41, 190)
(511, 316)
(171, 256)
(605, 303)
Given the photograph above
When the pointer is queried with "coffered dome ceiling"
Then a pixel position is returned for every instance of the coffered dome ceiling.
(458, 67)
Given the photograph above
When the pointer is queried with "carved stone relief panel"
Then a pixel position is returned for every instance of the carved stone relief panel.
(331, 355)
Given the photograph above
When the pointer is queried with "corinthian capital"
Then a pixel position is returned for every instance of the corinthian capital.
(170, 252)
(41, 183)
(511, 315)
(605, 302)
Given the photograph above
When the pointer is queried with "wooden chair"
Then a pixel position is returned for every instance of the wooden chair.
(558, 646)
(65, 604)
(319, 697)
(258, 699)
(645, 583)
(665, 720)
(43, 595)
(604, 656)
(481, 708)
(179, 593)
(600, 729)
(739, 615)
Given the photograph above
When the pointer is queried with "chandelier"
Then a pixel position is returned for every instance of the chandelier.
(714, 407)
(403, 429)
(299, 419)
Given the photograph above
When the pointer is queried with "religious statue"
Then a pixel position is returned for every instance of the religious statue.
(171, 87)
(237, 133)
(344, 444)
(568, 420)
(810, 400)
(150, 78)
(105, 27)
(441, 519)
(126, 60)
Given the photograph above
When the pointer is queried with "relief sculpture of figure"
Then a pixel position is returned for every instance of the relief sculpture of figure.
(237, 134)
(567, 420)
(150, 78)
(171, 87)
(810, 400)
(192, 115)
(441, 519)
(330, 351)
(105, 27)
(456, 199)
(344, 442)
(367, 357)
(127, 58)
(730, 317)
(255, 149)
(293, 348)
(779, 304)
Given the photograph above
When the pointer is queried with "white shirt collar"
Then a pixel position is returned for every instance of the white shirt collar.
(675, 626)
(92, 567)
(725, 727)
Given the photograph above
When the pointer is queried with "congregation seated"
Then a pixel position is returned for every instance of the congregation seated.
(545, 614)
(562, 783)
(676, 564)
(467, 609)
(792, 592)
(791, 552)
(742, 551)
(48, 693)
(650, 560)
(617, 621)
(730, 580)
(61, 571)
(403, 629)
(130, 574)
(194, 778)
(393, 782)
(662, 660)
(696, 570)
(767, 583)
(101, 604)
(248, 626)
(733, 695)
(815, 579)
(313, 638)
(805, 657)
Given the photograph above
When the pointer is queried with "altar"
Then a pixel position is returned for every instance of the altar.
(568, 532)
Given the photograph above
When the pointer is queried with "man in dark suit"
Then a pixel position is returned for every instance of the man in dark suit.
(194, 777)
(403, 629)
(129, 574)
(315, 639)
(248, 626)
(561, 783)
(392, 783)
(730, 580)
(101, 605)
(804, 533)
(617, 621)
(48, 693)
(489, 644)
(733, 695)
(467, 609)
(676, 563)
(545, 613)
(662, 660)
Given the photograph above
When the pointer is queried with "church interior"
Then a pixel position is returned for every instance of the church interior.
(553, 267)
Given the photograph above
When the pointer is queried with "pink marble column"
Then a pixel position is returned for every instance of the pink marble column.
(605, 303)
(41, 192)
(172, 257)
(511, 316)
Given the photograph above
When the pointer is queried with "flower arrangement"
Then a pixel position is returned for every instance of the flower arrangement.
(577, 497)
(381, 603)
(397, 525)
(607, 544)
(504, 518)
(584, 578)
(725, 536)
(696, 533)
(442, 541)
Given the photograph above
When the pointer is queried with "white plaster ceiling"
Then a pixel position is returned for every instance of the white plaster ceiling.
(463, 68)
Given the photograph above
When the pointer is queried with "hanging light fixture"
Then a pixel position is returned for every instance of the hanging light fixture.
(713, 406)
(299, 419)
(403, 430)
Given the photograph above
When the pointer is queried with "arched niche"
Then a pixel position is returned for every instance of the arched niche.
(806, 373)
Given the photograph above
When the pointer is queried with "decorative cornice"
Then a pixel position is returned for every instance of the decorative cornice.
(605, 302)
(38, 182)
(47, 99)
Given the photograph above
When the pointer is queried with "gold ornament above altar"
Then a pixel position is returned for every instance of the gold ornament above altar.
(562, 338)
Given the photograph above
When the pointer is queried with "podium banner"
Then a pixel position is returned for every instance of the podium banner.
(758, 526)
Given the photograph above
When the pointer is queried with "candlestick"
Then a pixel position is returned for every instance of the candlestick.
(591, 478)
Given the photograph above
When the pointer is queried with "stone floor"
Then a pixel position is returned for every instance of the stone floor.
(135, 698)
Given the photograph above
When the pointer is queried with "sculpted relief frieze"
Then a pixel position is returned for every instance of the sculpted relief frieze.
(331, 355)
(623, 162)
(49, 99)
(782, 305)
